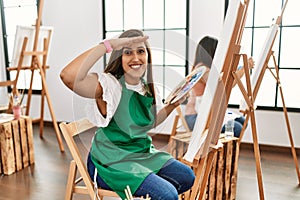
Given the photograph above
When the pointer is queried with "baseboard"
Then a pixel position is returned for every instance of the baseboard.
(243, 146)
(269, 148)
(46, 123)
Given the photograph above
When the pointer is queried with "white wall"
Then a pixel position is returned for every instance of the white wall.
(272, 128)
(77, 26)
(206, 18)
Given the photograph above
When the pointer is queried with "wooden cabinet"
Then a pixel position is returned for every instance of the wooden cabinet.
(16, 145)
(223, 175)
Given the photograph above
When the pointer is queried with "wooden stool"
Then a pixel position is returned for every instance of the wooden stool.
(16, 145)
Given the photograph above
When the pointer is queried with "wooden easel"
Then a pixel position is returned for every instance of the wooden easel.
(203, 160)
(250, 101)
(36, 64)
(250, 95)
(276, 76)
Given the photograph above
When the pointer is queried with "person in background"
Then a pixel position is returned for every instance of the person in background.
(203, 57)
(125, 110)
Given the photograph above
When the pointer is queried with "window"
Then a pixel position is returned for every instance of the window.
(166, 22)
(286, 47)
(13, 13)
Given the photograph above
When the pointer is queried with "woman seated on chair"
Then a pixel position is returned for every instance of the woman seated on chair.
(204, 54)
(125, 110)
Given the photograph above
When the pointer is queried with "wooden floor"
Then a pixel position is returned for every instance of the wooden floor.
(46, 179)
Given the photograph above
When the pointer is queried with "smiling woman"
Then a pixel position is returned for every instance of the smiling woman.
(124, 109)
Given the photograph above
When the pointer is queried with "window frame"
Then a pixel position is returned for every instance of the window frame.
(164, 30)
(5, 45)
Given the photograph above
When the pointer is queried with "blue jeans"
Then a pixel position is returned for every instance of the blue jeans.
(238, 124)
(174, 178)
(191, 120)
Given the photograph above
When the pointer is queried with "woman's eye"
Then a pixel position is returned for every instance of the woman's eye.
(126, 52)
(141, 51)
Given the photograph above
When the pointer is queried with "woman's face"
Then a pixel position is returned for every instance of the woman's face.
(134, 62)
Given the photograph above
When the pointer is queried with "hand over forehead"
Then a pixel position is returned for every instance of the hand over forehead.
(120, 43)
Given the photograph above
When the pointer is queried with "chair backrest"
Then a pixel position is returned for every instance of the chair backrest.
(69, 130)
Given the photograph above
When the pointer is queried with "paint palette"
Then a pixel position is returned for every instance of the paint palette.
(186, 85)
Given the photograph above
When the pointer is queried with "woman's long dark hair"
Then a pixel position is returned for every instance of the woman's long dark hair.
(205, 51)
(115, 68)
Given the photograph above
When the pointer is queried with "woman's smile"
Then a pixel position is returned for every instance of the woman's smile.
(135, 66)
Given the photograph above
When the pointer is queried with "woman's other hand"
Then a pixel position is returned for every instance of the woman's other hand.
(251, 63)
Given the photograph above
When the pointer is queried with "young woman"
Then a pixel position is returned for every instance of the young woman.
(125, 105)
(203, 56)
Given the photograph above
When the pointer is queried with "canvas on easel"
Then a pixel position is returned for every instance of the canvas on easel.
(33, 57)
(205, 136)
(29, 32)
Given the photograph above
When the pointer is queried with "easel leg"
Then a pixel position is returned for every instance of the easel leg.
(257, 155)
(203, 187)
(29, 94)
(58, 136)
(202, 174)
(243, 129)
(198, 179)
(42, 112)
(286, 118)
(290, 134)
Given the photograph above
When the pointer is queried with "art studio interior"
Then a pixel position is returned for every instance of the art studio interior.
(125, 85)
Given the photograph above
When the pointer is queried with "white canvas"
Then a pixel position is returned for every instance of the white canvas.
(258, 70)
(21, 33)
(197, 139)
(267, 47)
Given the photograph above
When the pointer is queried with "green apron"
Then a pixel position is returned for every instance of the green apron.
(123, 152)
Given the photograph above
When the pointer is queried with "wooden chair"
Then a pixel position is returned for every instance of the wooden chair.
(69, 131)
